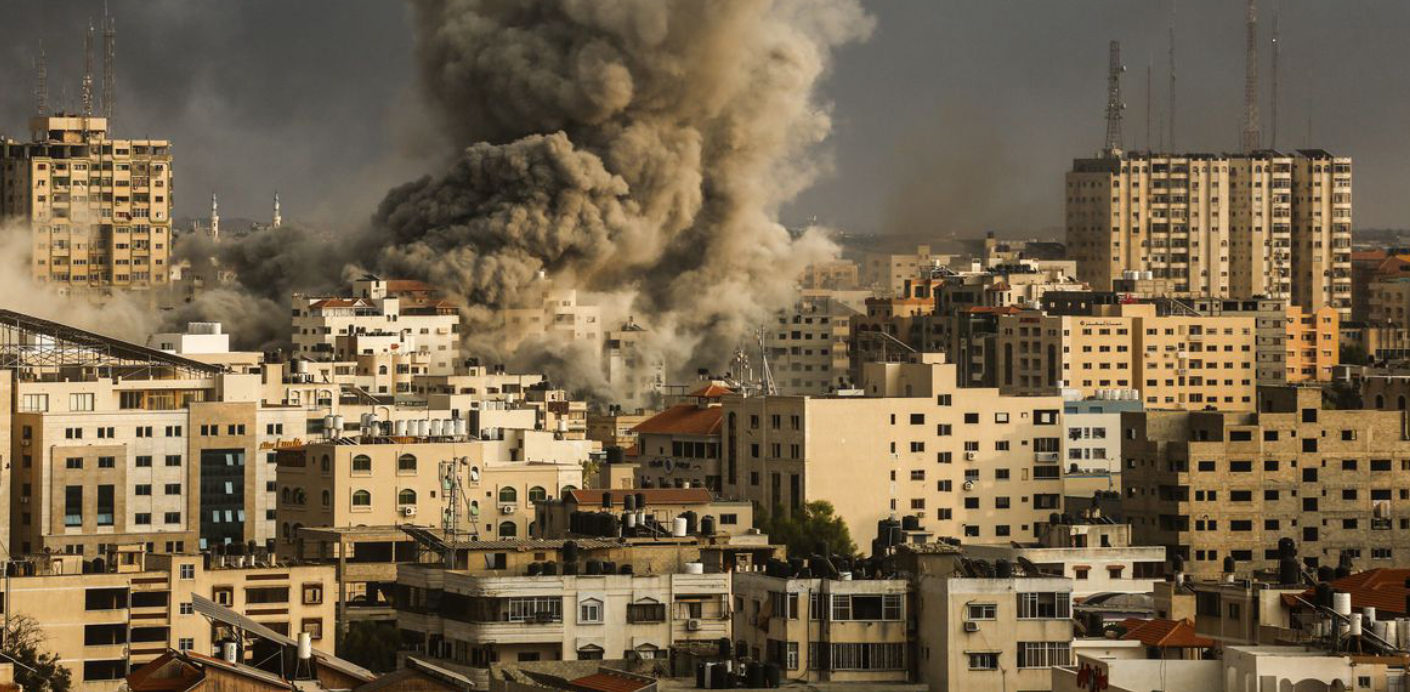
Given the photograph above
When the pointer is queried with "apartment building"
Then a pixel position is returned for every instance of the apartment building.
(1214, 485)
(632, 366)
(833, 275)
(971, 462)
(826, 630)
(704, 513)
(377, 318)
(1231, 226)
(681, 445)
(1098, 556)
(559, 315)
(613, 427)
(808, 348)
(1092, 440)
(387, 481)
(99, 209)
(128, 606)
(1313, 344)
(888, 272)
(1174, 358)
(478, 620)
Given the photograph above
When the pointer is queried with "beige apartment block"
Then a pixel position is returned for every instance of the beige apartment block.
(1099, 557)
(970, 462)
(808, 347)
(888, 272)
(681, 445)
(1173, 359)
(1313, 343)
(1212, 485)
(833, 275)
(1237, 226)
(99, 209)
(826, 630)
(613, 427)
(376, 318)
(130, 606)
(480, 620)
(560, 315)
(387, 481)
(660, 506)
(634, 369)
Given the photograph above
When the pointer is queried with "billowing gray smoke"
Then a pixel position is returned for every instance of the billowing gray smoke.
(627, 147)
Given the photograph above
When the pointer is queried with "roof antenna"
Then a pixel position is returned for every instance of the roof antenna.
(1172, 75)
(109, 76)
(88, 72)
(1252, 134)
(41, 82)
(1273, 130)
(1114, 106)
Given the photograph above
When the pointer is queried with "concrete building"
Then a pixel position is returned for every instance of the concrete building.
(1098, 556)
(826, 630)
(1213, 485)
(377, 318)
(1174, 359)
(657, 506)
(1313, 343)
(808, 348)
(888, 272)
(1238, 668)
(1092, 443)
(613, 427)
(129, 606)
(1229, 226)
(386, 481)
(682, 443)
(971, 462)
(634, 370)
(99, 209)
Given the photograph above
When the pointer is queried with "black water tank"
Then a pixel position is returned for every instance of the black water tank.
(1179, 566)
(616, 455)
(609, 567)
(910, 522)
(629, 503)
(1229, 564)
(1288, 571)
(773, 675)
(607, 499)
(535, 569)
(707, 526)
(805, 573)
(726, 648)
(550, 569)
(641, 500)
(1003, 569)
(1287, 547)
(594, 568)
(570, 569)
(690, 522)
(625, 569)
(1323, 595)
(700, 676)
(610, 525)
(570, 551)
(754, 676)
(1054, 519)
(1325, 573)
(1342, 572)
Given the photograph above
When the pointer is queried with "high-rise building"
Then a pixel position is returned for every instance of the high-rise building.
(99, 209)
(1266, 224)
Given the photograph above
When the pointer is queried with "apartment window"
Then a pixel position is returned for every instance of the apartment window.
(143, 489)
(81, 402)
(312, 594)
(1001, 417)
(107, 462)
(144, 461)
(1044, 654)
(862, 656)
(188, 571)
(267, 594)
(172, 518)
(73, 463)
(981, 611)
(988, 660)
(73, 505)
(173, 488)
(314, 627)
(918, 475)
(590, 611)
(647, 612)
(1046, 605)
(173, 460)
(188, 609)
(917, 446)
(944, 429)
(971, 418)
(917, 419)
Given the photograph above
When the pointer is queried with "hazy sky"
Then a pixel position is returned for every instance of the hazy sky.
(954, 117)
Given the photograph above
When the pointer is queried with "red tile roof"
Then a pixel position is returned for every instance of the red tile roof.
(711, 391)
(654, 496)
(683, 419)
(1382, 589)
(607, 681)
(408, 285)
(1004, 310)
(1368, 255)
(1166, 634)
(337, 303)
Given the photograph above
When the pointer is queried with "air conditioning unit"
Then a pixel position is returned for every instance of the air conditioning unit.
(971, 626)
(506, 509)
(408, 511)
(692, 625)
(969, 485)
(969, 456)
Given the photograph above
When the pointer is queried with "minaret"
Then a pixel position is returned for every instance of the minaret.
(278, 219)
(215, 218)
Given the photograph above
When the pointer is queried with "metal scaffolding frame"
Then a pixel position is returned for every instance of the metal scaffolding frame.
(36, 346)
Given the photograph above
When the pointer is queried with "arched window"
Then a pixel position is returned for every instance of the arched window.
(326, 463)
(327, 499)
(286, 496)
(361, 498)
(508, 495)
(406, 462)
(285, 529)
(1380, 401)
(406, 497)
(508, 529)
(474, 508)
(362, 464)
(381, 370)
(300, 496)
(537, 494)
(591, 652)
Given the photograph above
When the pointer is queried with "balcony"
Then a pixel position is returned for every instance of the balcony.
(1046, 457)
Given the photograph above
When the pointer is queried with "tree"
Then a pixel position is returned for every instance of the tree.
(35, 669)
(1350, 354)
(372, 645)
(806, 527)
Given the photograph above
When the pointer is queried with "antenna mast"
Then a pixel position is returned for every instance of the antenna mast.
(1114, 105)
(109, 76)
(41, 82)
(1172, 75)
(1251, 135)
(1149, 85)
(1277, 48)
(88, 72)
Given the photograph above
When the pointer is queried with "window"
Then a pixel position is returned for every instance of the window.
(590, 611)
(646, 612)
(266, 594)
(188, 609)
(362, 464)
(1044, 654)
(312, 594)
(73, 505)
(188, 571)
(80, 402)
(143, 489)
(866, 607)
(508, 495)
(406, 463)
(537, 494)
(173, 460)
(1044, 606)
(173, 488)
(314, 627)
(144, 461)
(73, 463)
(981, 611)
(984, 661)
(406, 497)
(361, 498)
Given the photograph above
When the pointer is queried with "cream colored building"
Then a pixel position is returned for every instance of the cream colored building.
(377, 318)
(1097, 556)
(808, 347)
(1313, 343)
(826, 630)
(1213, 485)
(970, 462)
(103, 621)
(888, 272)
(99, 209)
(1173, 359)
(1267, 224)
(387, 481)
(479, 620)
(659, 506)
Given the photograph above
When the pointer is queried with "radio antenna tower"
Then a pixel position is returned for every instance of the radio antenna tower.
(1114, 105)
(41, 82)
(1172, 75)
(88, 72)
(1251, 135)
(1277, 48)
(1149, 85)
(109, 76)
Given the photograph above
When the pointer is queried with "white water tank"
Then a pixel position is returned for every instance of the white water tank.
(399, 428)
(305, 646)
(328, 425)
(1355, 625)
(232, 652)
(629, 519)
(337, 426)
(678, 527)
(694, 568)
(436, 427)
(365, 423)
(1341, 603)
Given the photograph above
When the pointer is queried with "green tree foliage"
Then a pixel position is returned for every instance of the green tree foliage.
(372, 645)
(802, 530)
(35, 669)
